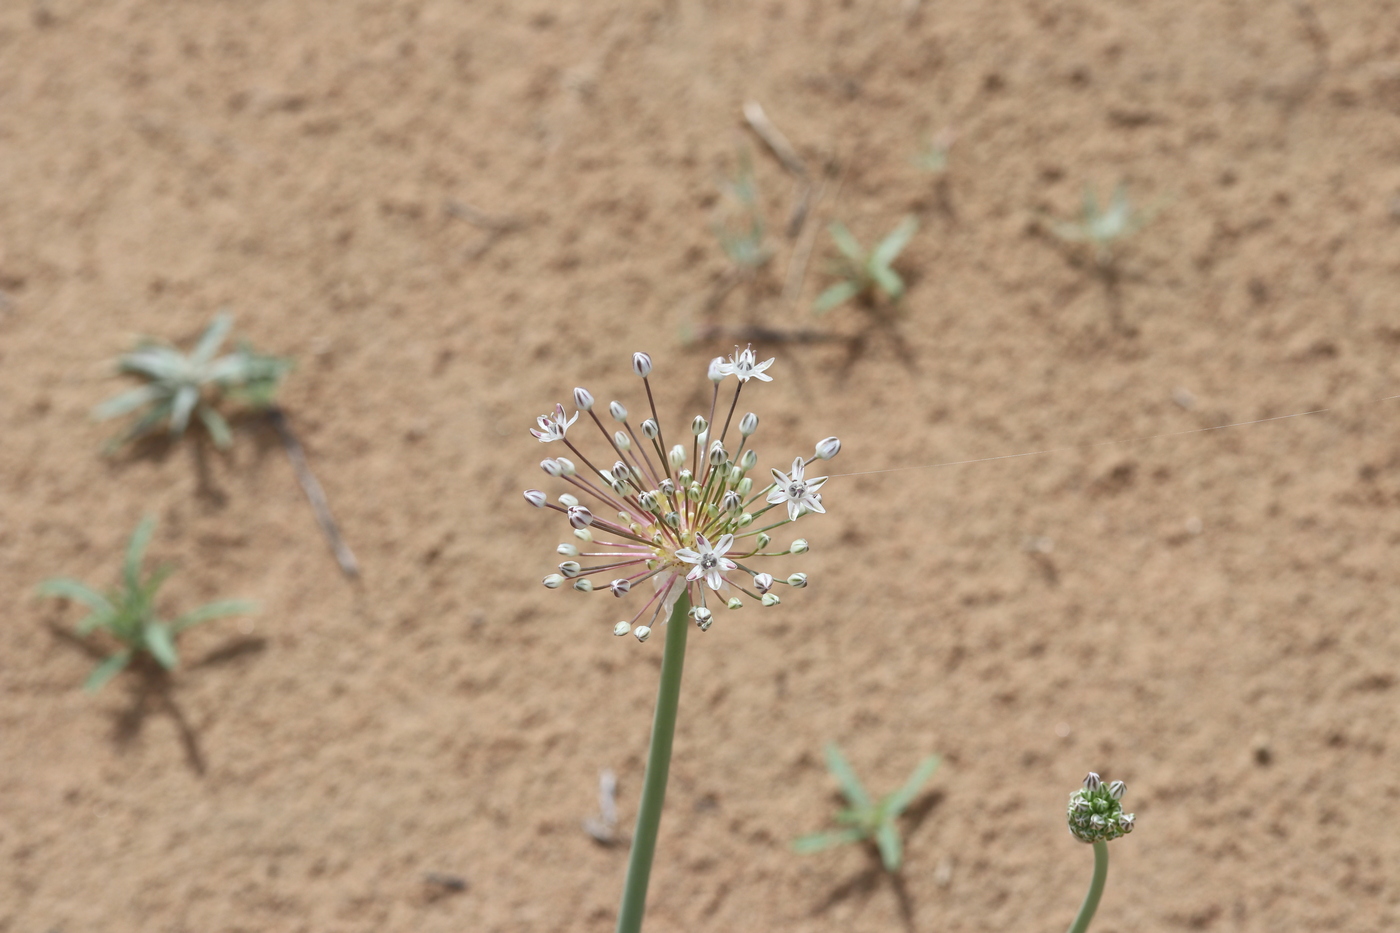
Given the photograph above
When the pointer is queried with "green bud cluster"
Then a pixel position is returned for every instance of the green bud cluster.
(1096, 812)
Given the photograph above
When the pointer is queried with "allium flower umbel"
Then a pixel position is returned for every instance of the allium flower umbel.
(685, 517)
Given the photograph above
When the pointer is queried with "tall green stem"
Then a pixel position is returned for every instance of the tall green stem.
(663, 730)
(1091, 899)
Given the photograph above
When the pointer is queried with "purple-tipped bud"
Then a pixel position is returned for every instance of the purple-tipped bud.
(731, 502)
(828, 448)
(716, 371)
(618, 411)
(641, 365)
(797, 580)
(763, 582)
(620, 587)
(570, 568)
(642, 631)
(1117, 789)
(583, 399)
(536, 497)
(622, 628)
(650, 430)
(567, 466)
(553, 581)
(623, 442)
(771, 599)
(1092, 783)
(698, 425)
(717, 454)
(552, 467)
(748, 424)
(580, 517)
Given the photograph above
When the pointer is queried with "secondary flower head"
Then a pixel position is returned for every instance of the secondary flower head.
(688, 517)
(1095, 812)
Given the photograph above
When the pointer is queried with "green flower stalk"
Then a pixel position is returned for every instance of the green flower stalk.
(687, 519)
(1096, 816)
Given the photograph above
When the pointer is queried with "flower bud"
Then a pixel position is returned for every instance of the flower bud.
(583, 399)
(684, 478)
(622, 628)
(621, 472)
(763, 582)
(553, 581)
(828, 448)
(731, 502)
(797, 580)
(763, 540)
(641, 365)
(703, 617)
(716, 371)
(648, 501)
(580, 517)
(536, 497)
(568, 550)
(567, 466)
(623, 442)
(771, 599)
(745, 520)
(1125, 822)
(749, 460)
(570, 568)
(698, 425)
(552, 467)
(618, 411)
(748, 424)
(583, 586)
(1092, 783)
(673, 519)
(642, 632)
(583, 534)
(745, 485)
(1117, 789)
(620, 587)
(568, 500)
(799, 546)
(668, 486)
(734, 603)
(717, 454)
(676, 457)
(650, 430)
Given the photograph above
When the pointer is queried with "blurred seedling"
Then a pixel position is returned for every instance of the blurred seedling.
(932, 156)
(183, 387)
(127, 612)
(740, 229)
(1103, 228)
(867, 820)
(866, 273)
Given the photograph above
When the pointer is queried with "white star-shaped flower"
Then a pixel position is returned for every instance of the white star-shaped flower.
(743, 366)
(799, 494)
(553, 426)
(709, 560)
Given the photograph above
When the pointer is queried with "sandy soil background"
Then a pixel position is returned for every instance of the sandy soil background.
(1210, 617)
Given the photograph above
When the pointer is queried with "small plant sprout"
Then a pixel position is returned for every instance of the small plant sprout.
(867, 820)
(127, 612)
(1102, 229)
(182, 387)
(678, 514)
(1096, 816)
(740, 229)
(932, 156)
(866, 274)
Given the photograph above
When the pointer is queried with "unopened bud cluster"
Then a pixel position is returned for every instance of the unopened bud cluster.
(1096, 811)
(687, 517)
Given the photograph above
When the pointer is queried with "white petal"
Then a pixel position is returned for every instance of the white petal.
(726, 564)
(794, 509)
(723, 545)
(689, 556)
(813, 503)
(797, 470)
(703, 544)
(781, 478)
(814, 484)
(778, 495)
(714, 579)
(696, 573)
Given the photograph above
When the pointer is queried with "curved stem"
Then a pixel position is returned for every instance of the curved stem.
(1091, 899)
(663, 730)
